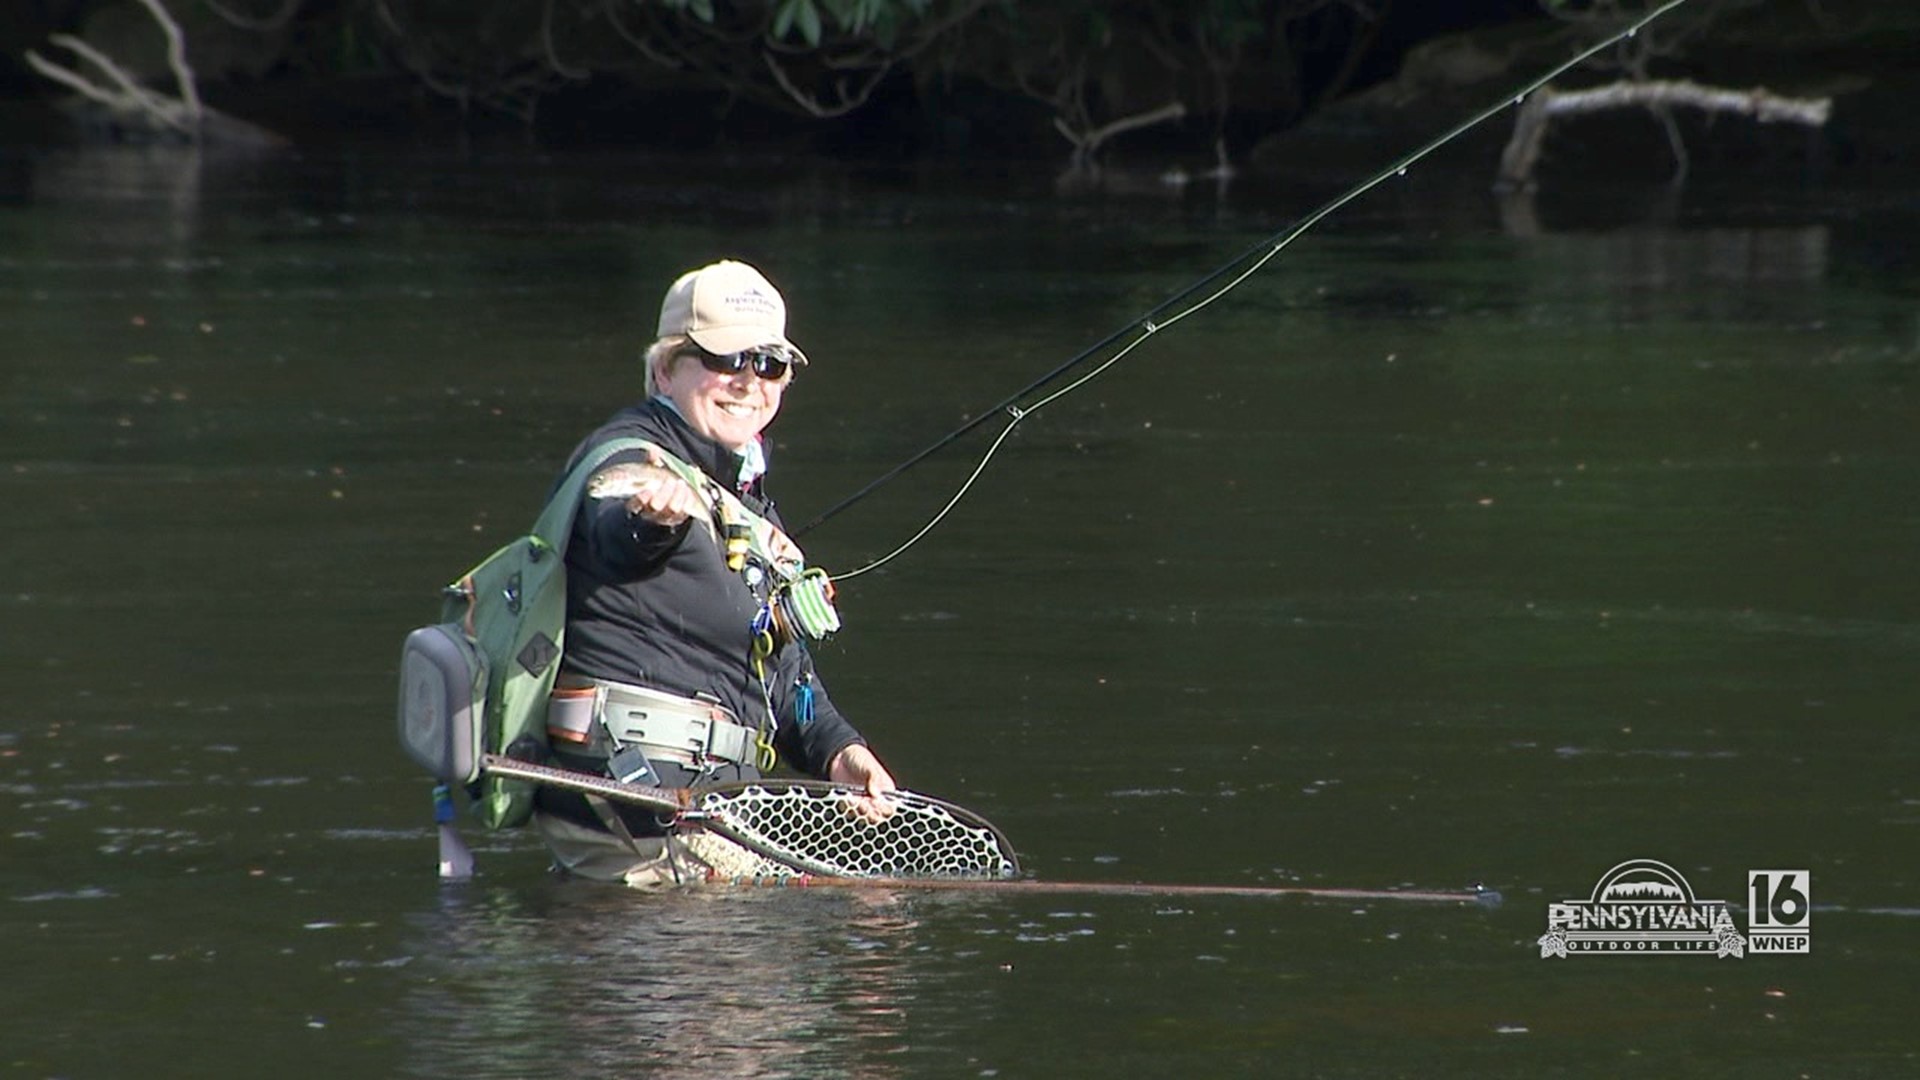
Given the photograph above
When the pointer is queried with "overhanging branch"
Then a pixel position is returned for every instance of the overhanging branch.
(125, 96)
(1547, 104)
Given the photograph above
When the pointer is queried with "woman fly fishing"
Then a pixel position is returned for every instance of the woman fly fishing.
(687, 614)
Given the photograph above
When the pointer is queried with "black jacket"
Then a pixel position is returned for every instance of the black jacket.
(657, 607)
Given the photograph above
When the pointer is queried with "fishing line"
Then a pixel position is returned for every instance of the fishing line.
(1151, 323)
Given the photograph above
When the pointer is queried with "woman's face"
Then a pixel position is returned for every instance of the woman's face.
(729, 409)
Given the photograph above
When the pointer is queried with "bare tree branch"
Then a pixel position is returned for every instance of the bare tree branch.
(177, 59)
(553, 57)
(1084, 166)
(1088, 142)
(74, 80)
(1681, 161)
(641, 45)
(1529, 130)
(848, 101)
(275, 21)
(1760, 103)
(182, 115)
(131, 92)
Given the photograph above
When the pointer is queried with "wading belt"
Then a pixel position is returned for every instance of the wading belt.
(668, 727)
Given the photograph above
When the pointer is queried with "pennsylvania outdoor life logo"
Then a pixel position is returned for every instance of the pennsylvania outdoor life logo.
(1646, 906)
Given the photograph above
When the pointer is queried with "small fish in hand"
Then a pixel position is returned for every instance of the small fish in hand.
(651, 490)
(627, 479)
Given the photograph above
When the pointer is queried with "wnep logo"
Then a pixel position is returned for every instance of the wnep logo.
(1779, 909)
(1645, 906)
(1641, 906)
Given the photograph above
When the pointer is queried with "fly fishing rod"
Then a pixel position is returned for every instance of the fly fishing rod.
(811, 836)
(1207, 289)
(1474, 895)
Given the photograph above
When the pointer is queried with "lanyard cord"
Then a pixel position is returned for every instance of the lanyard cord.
(1149, 324)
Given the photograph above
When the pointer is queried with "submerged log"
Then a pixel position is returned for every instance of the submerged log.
(1547, 104)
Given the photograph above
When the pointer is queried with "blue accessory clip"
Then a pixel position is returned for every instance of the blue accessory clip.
(803, 700)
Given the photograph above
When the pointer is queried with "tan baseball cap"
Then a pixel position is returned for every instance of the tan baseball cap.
(727, 307)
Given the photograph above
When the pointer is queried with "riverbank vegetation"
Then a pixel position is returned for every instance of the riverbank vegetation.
(1207, 82)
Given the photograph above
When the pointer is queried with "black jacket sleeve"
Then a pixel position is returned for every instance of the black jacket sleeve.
(626, 545)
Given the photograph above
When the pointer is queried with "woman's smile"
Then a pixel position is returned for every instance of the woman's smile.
(732, 410)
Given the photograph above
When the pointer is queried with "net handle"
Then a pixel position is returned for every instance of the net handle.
(685, 804)
(675, 801)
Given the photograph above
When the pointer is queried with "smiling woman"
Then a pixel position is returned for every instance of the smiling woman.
(689, 630)
(728, 398)
(731, 320)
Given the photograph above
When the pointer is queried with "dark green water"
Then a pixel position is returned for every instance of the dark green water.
(1464, 543)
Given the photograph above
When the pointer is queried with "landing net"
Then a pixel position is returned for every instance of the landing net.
(813, 828)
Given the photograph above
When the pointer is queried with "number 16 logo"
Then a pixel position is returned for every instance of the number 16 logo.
(1779, 911)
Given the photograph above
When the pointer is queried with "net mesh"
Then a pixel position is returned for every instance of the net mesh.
(726, 859)
(815, 830)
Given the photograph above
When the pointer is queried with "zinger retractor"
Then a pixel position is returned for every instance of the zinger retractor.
(739, 542)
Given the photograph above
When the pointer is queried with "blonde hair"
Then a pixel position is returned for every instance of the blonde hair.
(663, 352)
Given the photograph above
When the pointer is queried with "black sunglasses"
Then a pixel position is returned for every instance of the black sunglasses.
(767, 362)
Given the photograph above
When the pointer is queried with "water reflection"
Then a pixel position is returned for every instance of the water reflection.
(163, 182)
(1436, 553)
(579, 979)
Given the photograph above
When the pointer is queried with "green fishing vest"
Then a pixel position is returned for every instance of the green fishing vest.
(477, 682)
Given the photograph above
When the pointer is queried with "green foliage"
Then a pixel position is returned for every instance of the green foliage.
(880, 20)
(1090, 63)
(699, 9)
(800, 15)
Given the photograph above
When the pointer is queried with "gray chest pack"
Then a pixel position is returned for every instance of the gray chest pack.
(477, 681)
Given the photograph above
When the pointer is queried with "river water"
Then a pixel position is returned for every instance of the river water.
(1466, 542)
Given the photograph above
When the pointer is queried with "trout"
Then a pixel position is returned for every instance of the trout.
(627, 479)
(630, 478)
